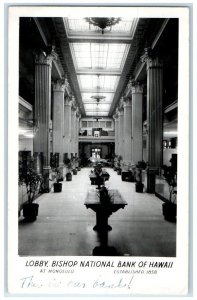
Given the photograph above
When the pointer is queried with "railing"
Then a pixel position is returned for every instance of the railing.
(110, 138)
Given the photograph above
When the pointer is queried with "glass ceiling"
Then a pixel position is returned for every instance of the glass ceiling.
(98, 62)
(98, 82)
(87, 97)
(100, 56)
(81, 25)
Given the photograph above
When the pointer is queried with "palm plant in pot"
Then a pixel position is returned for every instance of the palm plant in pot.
(33, 183)
(170, 207)
(115, 162)
(68, 165)
(118, 169)
(139, 186)
(57, 186)
(75, 165)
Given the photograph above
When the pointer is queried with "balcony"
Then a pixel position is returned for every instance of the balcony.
(97, 136)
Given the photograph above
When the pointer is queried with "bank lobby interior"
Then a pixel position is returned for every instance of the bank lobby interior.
(92, 94)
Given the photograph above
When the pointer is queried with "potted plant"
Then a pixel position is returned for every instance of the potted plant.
(33, 183)
(115, 162)
(75, 165)
(79, 165)
(170, 207)
(139, 186)
(57, 186)
(118, 168)
(104, 196)
(68, 164)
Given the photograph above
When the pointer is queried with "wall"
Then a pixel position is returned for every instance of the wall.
(26, 144)
(167, 154)
(25, 126)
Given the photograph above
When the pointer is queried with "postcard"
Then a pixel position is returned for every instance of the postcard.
(98, 150)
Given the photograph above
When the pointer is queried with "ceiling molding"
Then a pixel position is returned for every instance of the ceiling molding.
(67, 62)
(40, 29)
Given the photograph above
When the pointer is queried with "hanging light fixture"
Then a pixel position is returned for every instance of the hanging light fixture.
(98, 97)
(103, 23)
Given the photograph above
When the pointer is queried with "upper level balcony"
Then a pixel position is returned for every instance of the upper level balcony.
(97, 136)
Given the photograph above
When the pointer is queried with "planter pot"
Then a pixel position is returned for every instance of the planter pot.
(127, 176)
(119, 172)
(57, 187)
(74, 171)
(169, 211)
(139, 187)
(68, 177)
(30, 211)
(61, 179)
(78, 169)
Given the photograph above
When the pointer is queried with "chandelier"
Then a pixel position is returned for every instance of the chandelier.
(98, 98)
(103, 23)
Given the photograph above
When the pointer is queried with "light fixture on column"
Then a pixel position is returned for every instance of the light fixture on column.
(103, 23)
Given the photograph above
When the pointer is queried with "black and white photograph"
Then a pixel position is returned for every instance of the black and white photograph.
(102, 129)
(98, 101)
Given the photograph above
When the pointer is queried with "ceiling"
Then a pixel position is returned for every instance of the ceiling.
(98, 60)
(98, 66)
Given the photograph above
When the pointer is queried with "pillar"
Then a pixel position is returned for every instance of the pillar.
(116, 120)
(58, 120)
(127, 130)
(42, 112)
(73, 128)
(121, 131)
(77, 133)
(137, 134)
(154, 116)
(67, 126)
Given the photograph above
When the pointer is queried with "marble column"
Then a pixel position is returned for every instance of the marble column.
(42, 112)
(116, 120)
(58, 120)
(137, 137)
(67, 126)
(77, 133)
(121, 132)
(154, 115)
(73, 129)
(127, 130)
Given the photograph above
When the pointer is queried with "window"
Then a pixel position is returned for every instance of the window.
(108, 124)
(83, 123)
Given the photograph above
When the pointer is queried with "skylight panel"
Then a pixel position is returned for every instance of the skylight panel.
(98, 82)
(99, 55)
(97, 107)
(81, 25)
(124, 26)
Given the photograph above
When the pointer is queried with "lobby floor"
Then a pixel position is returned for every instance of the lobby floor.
(64, 226)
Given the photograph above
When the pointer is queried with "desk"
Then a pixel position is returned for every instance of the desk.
(103, 211)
